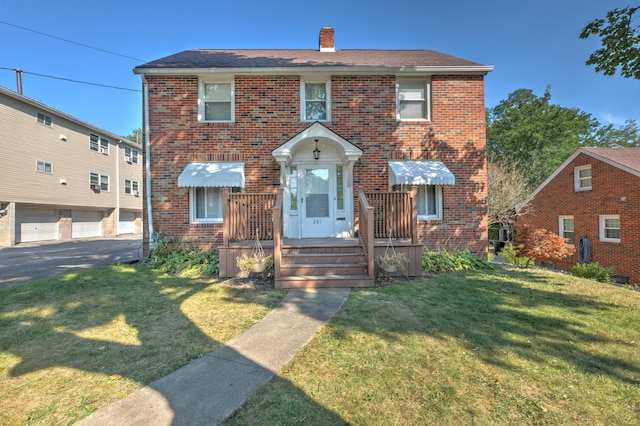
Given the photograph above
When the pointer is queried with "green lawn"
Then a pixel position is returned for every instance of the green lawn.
(497, 347)
(74, 343)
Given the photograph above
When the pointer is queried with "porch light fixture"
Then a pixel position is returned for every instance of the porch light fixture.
(316, 152)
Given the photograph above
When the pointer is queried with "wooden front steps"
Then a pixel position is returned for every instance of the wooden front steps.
(317, 263)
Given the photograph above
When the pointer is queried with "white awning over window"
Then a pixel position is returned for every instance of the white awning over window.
(420, 173)
(212, 174)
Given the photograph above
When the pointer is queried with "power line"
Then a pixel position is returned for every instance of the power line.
(72, 42)
(73, 81)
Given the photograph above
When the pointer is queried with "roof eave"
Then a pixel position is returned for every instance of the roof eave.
(342, 70)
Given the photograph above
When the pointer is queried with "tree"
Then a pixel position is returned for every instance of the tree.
(508, 193)
(627, 135)
(620, 37)
(135, 135)
(541, 245)
(536, 136)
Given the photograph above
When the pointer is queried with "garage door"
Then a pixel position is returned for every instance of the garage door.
(86, 223)
(36, 225)
(127, 223)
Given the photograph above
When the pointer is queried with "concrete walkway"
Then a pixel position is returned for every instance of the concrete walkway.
(207, 391)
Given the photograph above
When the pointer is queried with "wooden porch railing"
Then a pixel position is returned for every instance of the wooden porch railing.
(365, 219)
(395, 214)
(244, 213)
(277, 234)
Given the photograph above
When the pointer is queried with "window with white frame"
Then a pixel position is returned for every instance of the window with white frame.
(429, 200)
(44, 166)
(98, 143)
(99, 182)
(413, 99)
(610, 228)
(130, 155)
(216, 101)
(315, 100)
(206, 204)
(131, 187)
(582, 178)
(44, 119)
(566, 229)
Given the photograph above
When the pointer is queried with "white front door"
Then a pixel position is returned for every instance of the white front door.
(317, 201)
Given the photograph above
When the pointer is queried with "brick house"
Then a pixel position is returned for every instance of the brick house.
(591, 199)
(322, 135)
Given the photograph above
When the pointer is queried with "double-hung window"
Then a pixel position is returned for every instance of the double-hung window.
(316, 100)
(610, 228)
(216, 101)
(44, 166)
(130, 155)
(582, 178)
(130, 187)
(567, 229)
(99, 182)
(206, 204)
(429, 200)
(98, 143)
(413, 99)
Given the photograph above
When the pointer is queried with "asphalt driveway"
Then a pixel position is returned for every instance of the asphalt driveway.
(28, 261)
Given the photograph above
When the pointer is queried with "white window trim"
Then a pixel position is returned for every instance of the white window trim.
(44, 163)
(602, 228)
(100, 181)
(427, 94)
(561, 227)
(44, 119)
(303, 99)
(438, 215)
(576, 178)
(192, 210)
(201, 100)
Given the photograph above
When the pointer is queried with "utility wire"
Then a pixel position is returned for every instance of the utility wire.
(73, 81)
(73, 42)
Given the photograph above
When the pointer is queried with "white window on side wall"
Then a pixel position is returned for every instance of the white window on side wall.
(567, 229)
(429, 200)
(216, 101)
(610, 228)
(206, 204)
(44, 166)
(413, 99)
(44, 119)
(582, 178)
(315, 99)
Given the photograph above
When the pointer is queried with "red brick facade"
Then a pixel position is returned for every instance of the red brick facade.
(614, 192)
(363, 111)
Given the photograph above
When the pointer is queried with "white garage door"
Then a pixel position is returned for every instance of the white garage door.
(127, 223)
(36, 225)
(86, 223)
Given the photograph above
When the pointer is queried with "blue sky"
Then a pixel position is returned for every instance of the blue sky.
(530, 44)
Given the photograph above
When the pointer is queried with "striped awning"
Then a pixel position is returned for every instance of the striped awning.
(420, 173)
(212, 174)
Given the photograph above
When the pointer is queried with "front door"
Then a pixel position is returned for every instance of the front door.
(317, 201)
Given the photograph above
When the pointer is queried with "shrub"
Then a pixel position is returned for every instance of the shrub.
(593, 271)
(511, 254)
(452, 261)
(174, 257)
(541, 245)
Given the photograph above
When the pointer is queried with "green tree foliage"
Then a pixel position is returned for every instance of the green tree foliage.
(536, 136)
(620, 37)
(624, 136)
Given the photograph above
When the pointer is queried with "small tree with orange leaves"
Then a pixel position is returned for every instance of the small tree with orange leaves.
(541, 245)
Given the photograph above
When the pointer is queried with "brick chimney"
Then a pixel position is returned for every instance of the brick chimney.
(327, 42)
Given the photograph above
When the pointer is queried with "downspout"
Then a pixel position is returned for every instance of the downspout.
(147, 159)
(118, 188)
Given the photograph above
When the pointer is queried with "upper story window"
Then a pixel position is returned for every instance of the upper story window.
(413, 99)
(44, 166)
(130, 155)
(44, 119)
(131, 187)
(316, 100)
(98, 143)
(610, 228)
(429, 200)
(566, 229)
(582, 178)
(98, 182)
(216, 102)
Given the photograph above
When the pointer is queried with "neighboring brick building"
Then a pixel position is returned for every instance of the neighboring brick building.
(382, 119)
(594, 196)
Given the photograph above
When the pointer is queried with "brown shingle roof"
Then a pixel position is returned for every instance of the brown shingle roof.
(210, 58)
(627, 157)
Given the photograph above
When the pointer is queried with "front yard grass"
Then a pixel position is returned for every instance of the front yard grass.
(74, 343)
(469, 347)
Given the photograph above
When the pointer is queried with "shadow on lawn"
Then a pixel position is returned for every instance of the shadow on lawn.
(62, 311)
